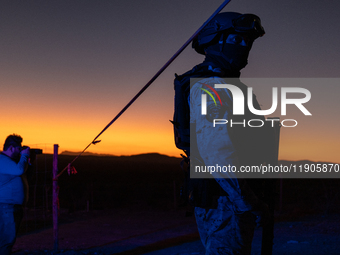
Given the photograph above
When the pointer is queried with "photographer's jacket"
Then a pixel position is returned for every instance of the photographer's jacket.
(11, 185)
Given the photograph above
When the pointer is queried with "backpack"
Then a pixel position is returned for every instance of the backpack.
(197, 192)
(181, 118)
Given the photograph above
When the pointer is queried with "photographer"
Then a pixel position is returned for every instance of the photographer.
(13, 164)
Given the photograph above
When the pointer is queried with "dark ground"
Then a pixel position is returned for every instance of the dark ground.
(131, 232)
(132, 211)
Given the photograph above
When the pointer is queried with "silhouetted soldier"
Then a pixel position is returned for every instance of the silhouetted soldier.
(226, 208)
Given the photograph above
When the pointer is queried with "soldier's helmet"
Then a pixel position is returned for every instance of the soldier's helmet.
(228, 22)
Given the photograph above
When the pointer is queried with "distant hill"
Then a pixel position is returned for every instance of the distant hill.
(158, 156)
(73, 153)
(150, 155)
(301, 162)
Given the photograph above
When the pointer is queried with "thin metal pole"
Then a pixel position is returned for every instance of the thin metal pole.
(175, 195)
(55, 197)
(269, 191)
(162, 69)
(94, 141)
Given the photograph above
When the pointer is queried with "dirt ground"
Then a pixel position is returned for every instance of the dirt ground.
(131, 231)
(130, 212)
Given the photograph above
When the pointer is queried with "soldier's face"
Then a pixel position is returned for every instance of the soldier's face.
(239, 39)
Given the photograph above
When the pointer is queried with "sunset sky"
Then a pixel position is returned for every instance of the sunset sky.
(67, 67)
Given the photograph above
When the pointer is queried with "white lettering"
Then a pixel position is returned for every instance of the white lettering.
(219, 122)
(238, 123)
(262, 112)
(297, 102)
(289, 120)
(258, 120)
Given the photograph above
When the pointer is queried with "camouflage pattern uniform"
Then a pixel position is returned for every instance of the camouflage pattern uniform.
(229, 228)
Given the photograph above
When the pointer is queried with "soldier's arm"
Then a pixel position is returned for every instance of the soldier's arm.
(215, 146)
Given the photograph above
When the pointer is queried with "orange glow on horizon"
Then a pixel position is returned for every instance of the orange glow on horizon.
(125, 140)
(144, 128)
(135, 133)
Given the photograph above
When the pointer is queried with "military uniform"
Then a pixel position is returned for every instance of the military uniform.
(228, 228)
(226, 207)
